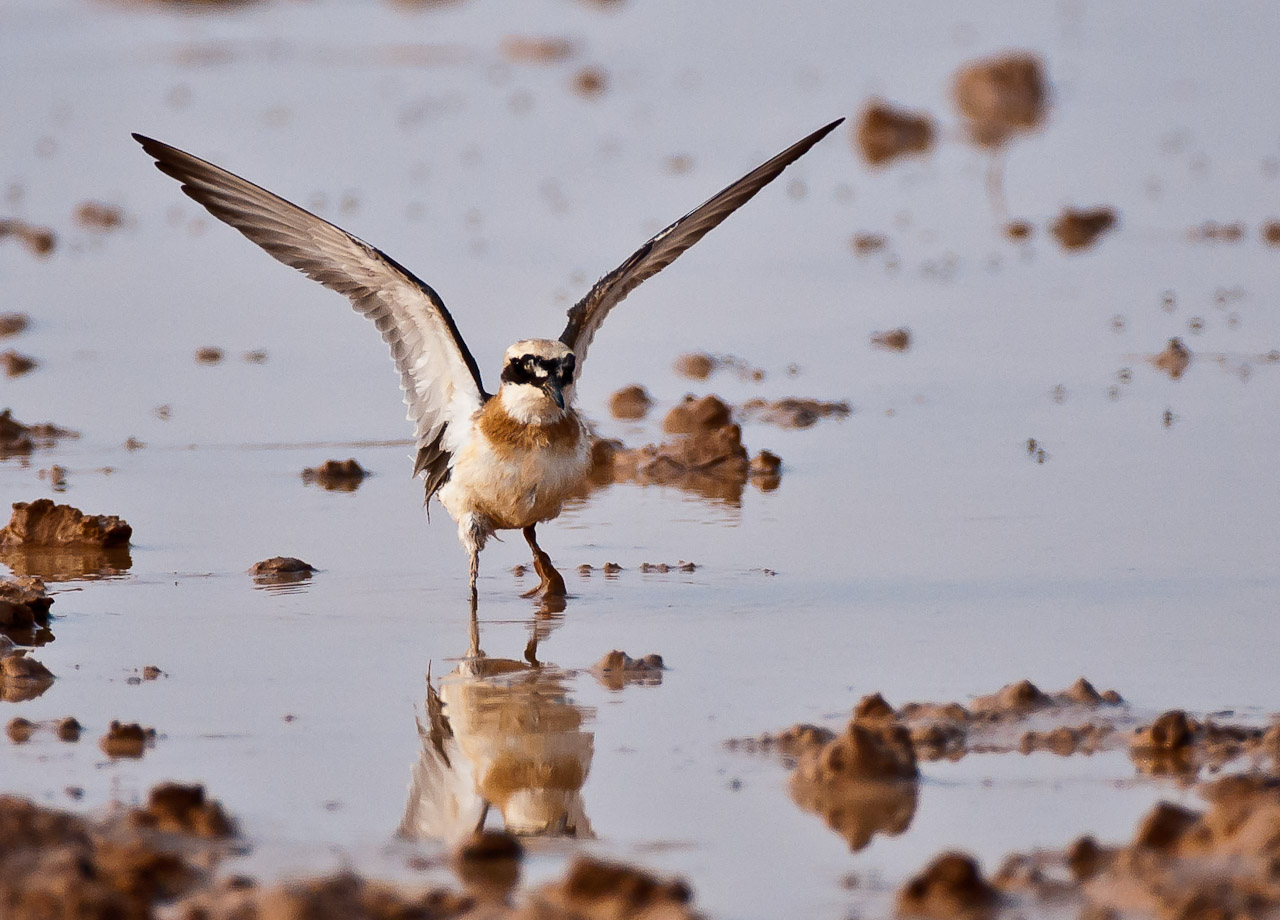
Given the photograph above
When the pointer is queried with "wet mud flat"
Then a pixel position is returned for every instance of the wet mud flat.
(985, 388)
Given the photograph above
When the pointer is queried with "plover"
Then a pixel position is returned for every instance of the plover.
(502, 461)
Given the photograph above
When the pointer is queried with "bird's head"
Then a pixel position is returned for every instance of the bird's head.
(537, 379)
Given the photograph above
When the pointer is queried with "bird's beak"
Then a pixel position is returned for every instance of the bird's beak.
(552, 389)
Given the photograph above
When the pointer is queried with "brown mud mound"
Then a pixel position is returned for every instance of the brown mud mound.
(42, 524)
(488, 864)
(13, 323)
(893, 339)
(590, 82)
(617, 669)
(884, 133)
(1174, 360)
(281, 570)
(864, 244)
(1271, 233)
(1019, 230)
(632, 402)
(20, 730)
(127, 740)
(597, 890)
(24, 603)
(694, 414)
(712, 464)
(951, 887)
(18, 439)
(794, 412)
(1176, 744)
(181, 809)
(1002, 96)
(21, 678)
(1080, 229)
(40, 241)
(16, 364)
(336, 475)
(210, 354)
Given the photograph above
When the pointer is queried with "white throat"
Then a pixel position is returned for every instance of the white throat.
(530, 406)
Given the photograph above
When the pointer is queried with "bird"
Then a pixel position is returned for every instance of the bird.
(507, 460)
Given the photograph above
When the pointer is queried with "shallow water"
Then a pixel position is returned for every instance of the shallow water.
(915, 548)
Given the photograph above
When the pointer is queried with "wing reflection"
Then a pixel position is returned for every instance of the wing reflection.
(505, 734)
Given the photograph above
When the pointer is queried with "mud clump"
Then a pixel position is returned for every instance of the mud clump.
(210, 354)
(884, 133)
(1019, 230)
(1213, 232)
(24, 602)
(1066, 740)
(40, 241)
(662, 568)
(617, 669)
(1271, 233)
(281, 570)
(13, 324)
(1001, 97)
(893, 339)
(1174, 360)
(127, 740)
(94, 215)
(952, 886)
(864, 244)
(19, 439)
(593, 888)
(20, 730)
(488, 864)
(16, 364)
(182, 809)
(1176, 744)
(766, 470)
(336, 475)
(711, 463)
(700, 365)
(794, 412)
(1079, 229)
(42, 524)
(22, 678)
(632, 402)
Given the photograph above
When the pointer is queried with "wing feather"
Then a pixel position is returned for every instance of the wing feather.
(438, 374)
(587, 315)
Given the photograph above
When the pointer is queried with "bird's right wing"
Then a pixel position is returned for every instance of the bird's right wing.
(438, 374)
(587, 315)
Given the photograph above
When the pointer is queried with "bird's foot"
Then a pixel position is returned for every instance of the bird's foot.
(551, 583)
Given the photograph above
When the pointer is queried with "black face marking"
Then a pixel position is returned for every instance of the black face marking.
(536, 370)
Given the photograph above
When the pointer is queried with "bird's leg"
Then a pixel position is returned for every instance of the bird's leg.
(475, 570)
(551, 584)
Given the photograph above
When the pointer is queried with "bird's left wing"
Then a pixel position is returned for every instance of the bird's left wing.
(589, 313)
(439, 376)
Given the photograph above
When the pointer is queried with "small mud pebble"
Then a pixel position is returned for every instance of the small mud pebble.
(281, 569)
(210, 354)
(336, 475)
(1174, 360)
(17, 438)
(16, 364)
(951, 887)
(256, 356)
(40, 241)
(1019, 230)
(41, 523)
(134, 444)
(585, 569)
(617, 669)
(892, 340)
(488, 864)
(766, 471)
(13, 323)
(594, 888)
(1271, 233)
(611, 568)
(56, 477)
(1080, 229)
(94, 215)
(885, 133)
(632, 402)
(590, 82)
(151, 672)
(127, 740)
(864, 244)
(1213, 232)
(519, 571)
(1001, 96)
(696, 365)
(20, 730)
(529, 49)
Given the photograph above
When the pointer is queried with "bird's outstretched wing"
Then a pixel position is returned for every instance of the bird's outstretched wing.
(589, 313)
(441, 382)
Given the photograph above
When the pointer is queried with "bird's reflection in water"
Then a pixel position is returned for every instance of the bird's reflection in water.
(505, 734)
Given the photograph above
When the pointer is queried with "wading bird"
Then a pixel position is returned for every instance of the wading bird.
(502, 461)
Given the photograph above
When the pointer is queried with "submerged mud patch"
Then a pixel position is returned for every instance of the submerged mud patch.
(1001, 97)
(1077, 229)
(17, 439)
(336, 475)
(617, 669)
(885, 133)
